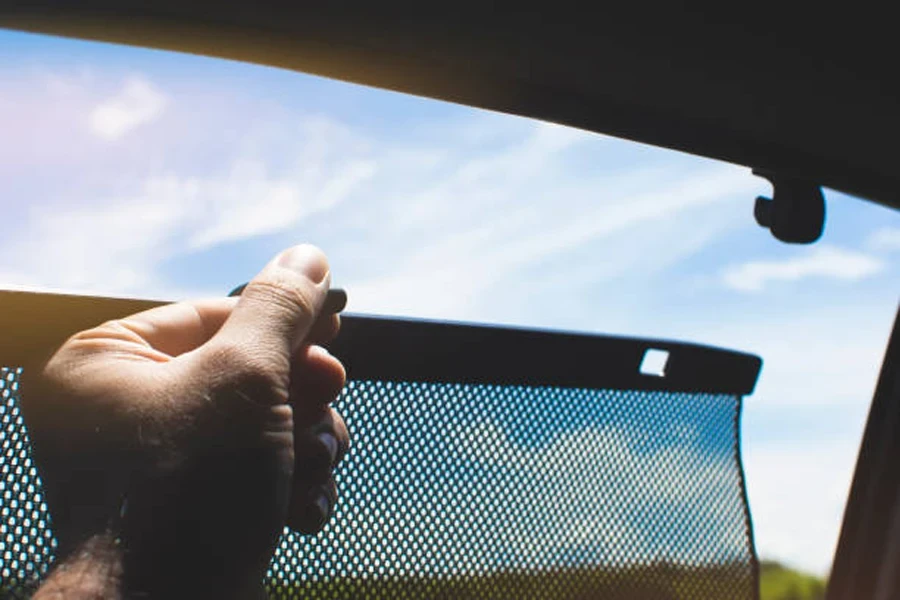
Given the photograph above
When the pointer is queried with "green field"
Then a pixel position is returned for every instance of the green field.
(661, 581)
(778, 582)
(651, 582)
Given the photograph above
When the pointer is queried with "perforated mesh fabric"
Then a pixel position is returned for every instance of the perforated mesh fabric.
(474, 491)
(26, 542)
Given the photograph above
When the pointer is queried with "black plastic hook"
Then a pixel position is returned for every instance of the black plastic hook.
(335, 299)
(796, 212)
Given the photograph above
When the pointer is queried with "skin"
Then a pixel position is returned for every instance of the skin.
(175, 444)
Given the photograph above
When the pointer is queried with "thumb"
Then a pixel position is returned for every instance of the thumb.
(279, 306)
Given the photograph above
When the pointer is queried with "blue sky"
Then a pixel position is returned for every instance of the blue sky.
(133, 172)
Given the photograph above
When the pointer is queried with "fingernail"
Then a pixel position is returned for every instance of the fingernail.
(330, 442)
(323, 505)
(307, 260)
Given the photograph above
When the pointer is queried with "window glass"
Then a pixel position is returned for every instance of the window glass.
(132, 172)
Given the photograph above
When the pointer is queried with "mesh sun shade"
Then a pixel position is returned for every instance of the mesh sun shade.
(497, 463)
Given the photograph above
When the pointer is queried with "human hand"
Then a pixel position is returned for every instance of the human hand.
(175, 444)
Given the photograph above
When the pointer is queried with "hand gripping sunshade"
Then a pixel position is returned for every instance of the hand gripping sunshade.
(485, 463)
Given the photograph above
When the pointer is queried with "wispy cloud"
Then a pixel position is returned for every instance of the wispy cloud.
(476, 208)
(886, 238)
(137, 103)
(323, 169)
(521, 230)
(111, 246)
(116, 243)
(826, 262)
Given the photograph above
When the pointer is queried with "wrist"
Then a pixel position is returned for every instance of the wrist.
(143, 548)
(101, 566)
(92, 569)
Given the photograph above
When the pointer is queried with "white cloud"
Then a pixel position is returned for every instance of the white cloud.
(797, 494)
(114, 245)
(587, 494)
(821, 357)
(601, 211)
(823, 262)
(632, 478)
(802, 424)
(804, 421)
(279, 202)
(475, 211)
(137, 103)
(886, 238)
(106, 248)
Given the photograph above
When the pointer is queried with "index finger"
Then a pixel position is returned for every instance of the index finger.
(180, 327)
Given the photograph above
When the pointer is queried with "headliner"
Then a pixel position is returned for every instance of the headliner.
(811, 96)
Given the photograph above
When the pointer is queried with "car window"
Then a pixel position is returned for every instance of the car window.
(141, 173)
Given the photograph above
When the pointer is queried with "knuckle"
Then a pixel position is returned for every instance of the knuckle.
(292, 295)
(221, 359)
(247, 373)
